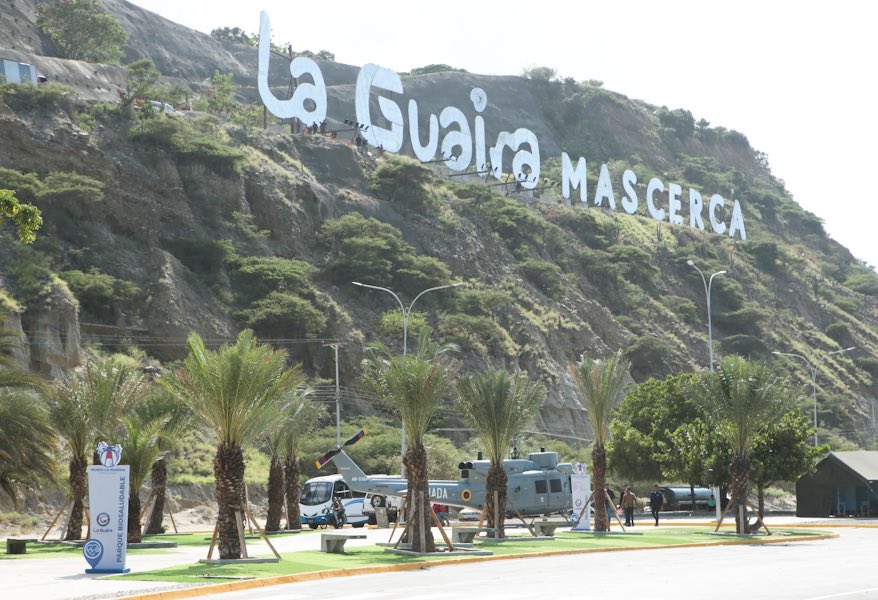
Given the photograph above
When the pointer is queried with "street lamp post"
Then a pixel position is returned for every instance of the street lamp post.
(813, 368)
(405, 326)
(708, 283)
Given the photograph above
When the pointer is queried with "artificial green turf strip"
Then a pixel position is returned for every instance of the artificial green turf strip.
(59, 550)
(369, 556)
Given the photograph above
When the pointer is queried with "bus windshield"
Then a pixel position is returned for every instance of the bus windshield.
(316, 492)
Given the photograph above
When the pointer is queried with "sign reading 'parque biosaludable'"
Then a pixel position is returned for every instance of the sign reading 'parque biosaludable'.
(467, 145)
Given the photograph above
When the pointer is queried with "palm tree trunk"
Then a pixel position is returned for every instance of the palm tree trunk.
(497, 481)
(293, 492)
(599, 469)
(78, 487)
(228, 469)
(416, 471)
(739, 469)
(134, 534)
(159, 481)
(275, 494)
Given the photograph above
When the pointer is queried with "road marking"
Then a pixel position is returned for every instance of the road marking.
(843, 594)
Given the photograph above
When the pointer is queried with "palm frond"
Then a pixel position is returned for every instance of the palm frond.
(602, 385)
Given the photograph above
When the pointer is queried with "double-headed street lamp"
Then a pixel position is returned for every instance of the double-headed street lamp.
(405, 325)
(707, 285)
(813, 368)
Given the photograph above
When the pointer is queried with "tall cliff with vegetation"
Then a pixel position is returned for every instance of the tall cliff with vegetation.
(157, 225)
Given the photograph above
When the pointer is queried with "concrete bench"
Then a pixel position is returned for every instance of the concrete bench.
(334, 542)
(466, 535)
(547, 528)
(18, 545)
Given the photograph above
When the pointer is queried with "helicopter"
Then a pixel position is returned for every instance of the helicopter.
(538, 485)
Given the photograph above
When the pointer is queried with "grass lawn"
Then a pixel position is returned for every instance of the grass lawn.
(372, 556)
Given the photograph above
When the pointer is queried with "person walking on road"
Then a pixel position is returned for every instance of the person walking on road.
(656, 500)
(628, 504)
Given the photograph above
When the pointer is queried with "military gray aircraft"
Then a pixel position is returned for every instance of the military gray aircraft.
(538, 485)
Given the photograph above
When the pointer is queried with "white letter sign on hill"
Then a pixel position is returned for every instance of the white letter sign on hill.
(107, 546)
(450, 133)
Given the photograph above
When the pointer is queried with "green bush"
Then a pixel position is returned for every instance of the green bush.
(29, 97)
(862, 279)
(417, 273)
(684, 308)
(257, 276)
(26, 186)
(187, 141)
(282, 314)
(481, 302)
(406, 181)
(477, 333)
(745, 320)
(392, 324)
(98, 293)
(71, 186)
(633, 263)
(650, 357)
(744, 345)
(841, 334)
(545, 275)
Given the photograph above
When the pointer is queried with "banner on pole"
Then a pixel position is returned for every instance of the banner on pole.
(107, 546)
(580, 488)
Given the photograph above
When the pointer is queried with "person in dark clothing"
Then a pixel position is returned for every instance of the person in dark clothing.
(656, 500)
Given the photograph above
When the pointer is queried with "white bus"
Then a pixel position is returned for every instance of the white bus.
(315, 502)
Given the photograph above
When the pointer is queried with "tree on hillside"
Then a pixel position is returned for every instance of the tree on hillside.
(601, 385)
(235, 392)
(82, 30)
(234, 34)
(412, 385)
(86, 409)
(741, 400)
(26, 217)
(498, 406)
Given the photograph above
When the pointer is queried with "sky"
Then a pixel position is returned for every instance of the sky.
(797, 78)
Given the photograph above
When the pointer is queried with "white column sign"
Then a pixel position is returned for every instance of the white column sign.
(580, 487)
(107, 546)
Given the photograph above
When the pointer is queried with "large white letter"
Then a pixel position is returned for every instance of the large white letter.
(718, 226)
(295, 106)
(480, 102)
(575, 178)
(427, 152)
(629, 201)
(456, 139)
(654, 185)
(370, 76)
(737, 222)
(674, 206)
(696, 205)
(531, 157)
(604, 189)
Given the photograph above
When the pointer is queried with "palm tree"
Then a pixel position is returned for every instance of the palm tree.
(141, 447)
(235, 392)
(741, 399)
(175, 418)
(26, 440)
(303, 418)
(413, 386)
(85, 409)
(602, 386)
(498, 406)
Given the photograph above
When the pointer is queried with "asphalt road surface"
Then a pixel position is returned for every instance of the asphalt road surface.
(844, 568)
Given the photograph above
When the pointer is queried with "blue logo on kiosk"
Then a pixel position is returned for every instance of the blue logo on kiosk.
(93, 551)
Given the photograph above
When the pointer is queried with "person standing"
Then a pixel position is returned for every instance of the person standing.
(629, 503)
(656, 500)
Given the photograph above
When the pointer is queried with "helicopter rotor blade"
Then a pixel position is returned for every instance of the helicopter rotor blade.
(332, 453)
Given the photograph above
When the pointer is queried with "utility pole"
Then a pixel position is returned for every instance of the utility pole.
(334, 346)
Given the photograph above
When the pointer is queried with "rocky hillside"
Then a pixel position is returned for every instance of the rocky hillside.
(155, 227)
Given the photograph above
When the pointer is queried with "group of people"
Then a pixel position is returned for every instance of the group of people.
(628, 502)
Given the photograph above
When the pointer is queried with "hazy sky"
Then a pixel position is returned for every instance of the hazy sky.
(797, 78)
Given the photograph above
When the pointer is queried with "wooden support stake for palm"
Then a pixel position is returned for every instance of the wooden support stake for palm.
(261, 531)
(148, 505)
(399, 515)
(497, 532)
(171, 514)
(423, 534)
(87, 523)
(522, 519)
(247, 508)
(239, 522)
(408, 524)
(483, 515)
(55, 520)
(726, 512)
(442, 530)
(213, 539)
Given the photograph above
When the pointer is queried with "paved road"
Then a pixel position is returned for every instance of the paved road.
(845, 568)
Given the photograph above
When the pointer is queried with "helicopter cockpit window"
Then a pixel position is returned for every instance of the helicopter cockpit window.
(540, 486)
(555, 485)
(342, 490)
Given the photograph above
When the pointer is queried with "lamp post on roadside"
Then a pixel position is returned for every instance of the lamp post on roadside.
(405, 326)
(813, 368)
(707, 286)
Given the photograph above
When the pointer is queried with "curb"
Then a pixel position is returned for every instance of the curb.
(236, 586)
